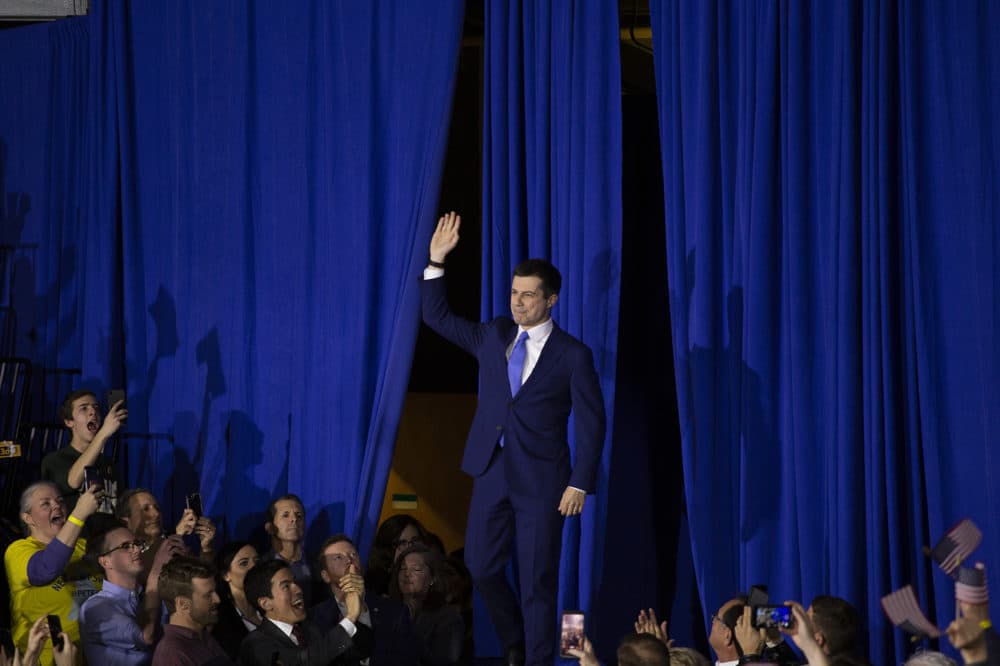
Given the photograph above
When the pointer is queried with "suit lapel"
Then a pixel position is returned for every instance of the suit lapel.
(273, 630)
(548, 359)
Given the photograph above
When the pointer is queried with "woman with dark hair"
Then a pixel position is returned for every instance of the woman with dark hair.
(394, 535)
(237, 616)
(419, 580)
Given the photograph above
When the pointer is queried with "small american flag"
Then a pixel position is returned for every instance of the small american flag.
(956, 545)
(903, 610)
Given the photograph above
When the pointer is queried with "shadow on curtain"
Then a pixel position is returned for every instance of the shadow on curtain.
(227, 197)
(831, 179)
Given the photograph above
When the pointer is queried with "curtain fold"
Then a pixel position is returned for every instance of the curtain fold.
(830, 178)
(235, 190)
(552, 188)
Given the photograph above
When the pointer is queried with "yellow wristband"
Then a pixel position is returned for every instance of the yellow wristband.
(985, 624)
(76, 521)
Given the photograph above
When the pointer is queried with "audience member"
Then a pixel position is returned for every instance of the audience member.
(838, 626)
(237, 615)
(286, 526)
(388, 618)
(929, 658)
(187, 587)
(642, 650)
(120, 624)
(682, 656)
(284, 637)
(395, 534)
(45, 570)
(140, 511)
(81, 414)
(722, 633)
(418, 581)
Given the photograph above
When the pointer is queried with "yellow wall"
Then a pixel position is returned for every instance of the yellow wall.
(427, 463)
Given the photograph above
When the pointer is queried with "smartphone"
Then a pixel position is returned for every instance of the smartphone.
(571, 635)
(758, 595)
(193, 502)
(114, 395)
(55, 629)
(92, 477)
(766, 617)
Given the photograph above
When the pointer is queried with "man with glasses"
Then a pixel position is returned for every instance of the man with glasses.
(722, 633)
(393, 642)
(119, 624)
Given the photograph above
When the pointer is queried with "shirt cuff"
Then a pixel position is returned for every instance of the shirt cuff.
(433, 273)
(579, 490)
(349, 627)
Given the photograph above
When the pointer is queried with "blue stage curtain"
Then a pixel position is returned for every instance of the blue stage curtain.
(254, 207)
(552, 188)
(831, 179)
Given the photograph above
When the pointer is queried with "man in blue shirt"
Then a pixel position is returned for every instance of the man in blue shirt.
(119, 624)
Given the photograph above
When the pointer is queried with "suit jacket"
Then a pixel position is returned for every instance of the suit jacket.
(392, 632)
(534, 422)
(332, 646)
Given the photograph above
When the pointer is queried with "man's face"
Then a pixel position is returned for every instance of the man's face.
(337, 557)
(204, 601)
(720, 634)
(86, 419)
(144, 519)
(289, 521)
(286, 603)
(47, 514)
(122, 554)
(527, 304)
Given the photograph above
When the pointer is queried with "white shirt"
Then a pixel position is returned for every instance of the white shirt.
(287, 628)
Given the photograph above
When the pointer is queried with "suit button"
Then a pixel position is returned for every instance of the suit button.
(499, 428)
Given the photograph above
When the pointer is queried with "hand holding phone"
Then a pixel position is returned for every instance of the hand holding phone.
(55, 631)
(571, 633)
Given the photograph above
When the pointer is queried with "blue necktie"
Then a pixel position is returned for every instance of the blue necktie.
(515, 364)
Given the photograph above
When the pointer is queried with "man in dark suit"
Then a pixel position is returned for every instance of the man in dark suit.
(284, 638)
(394, 642)
(531, 375)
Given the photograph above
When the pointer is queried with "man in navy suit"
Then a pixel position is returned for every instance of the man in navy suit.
(532, 375)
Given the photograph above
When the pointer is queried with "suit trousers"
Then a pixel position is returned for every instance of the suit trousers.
(501, 523)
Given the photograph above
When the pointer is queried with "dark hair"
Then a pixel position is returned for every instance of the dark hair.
(97, 543)
(642, 650)
(123, 509)
(437, 591)
(544, 271)
(383, 553)
(176, 576)
(223, 560)
(730, 617)
(258, 581)
(838, 621)
(329, 541)
(272, 507)
(66, 410)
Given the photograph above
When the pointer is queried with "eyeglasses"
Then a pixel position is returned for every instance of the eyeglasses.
(138, 544)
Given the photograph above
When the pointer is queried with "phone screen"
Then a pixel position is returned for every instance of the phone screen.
(193, 502)
(772, 616)
(55, 629)
(571, 635)
(92, 477)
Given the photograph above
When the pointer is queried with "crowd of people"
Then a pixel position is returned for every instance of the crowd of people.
(124, 591)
